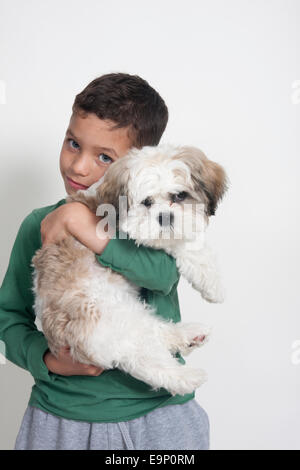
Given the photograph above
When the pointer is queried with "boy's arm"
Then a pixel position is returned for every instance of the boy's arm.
(146, 267)
(24, 344)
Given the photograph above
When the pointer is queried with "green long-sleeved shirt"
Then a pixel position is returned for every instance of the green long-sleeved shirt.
(114, 395)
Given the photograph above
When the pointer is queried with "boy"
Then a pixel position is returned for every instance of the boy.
(75, 406)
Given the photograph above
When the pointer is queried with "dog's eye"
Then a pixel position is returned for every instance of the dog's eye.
(179, 197)
(147, 202)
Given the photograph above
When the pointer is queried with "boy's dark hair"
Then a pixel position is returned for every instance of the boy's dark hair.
(129, 101)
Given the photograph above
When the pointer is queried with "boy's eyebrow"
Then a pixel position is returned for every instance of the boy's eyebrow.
(98, 148)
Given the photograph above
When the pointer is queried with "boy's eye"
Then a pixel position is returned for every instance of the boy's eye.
(105, 158)
(73, 144)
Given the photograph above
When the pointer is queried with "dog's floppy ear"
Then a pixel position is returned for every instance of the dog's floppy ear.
(115, 183)
(86, 198)
(209, 178)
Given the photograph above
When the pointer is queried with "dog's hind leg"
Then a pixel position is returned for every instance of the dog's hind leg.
(136, 341)
(185, 337)
(161, 370)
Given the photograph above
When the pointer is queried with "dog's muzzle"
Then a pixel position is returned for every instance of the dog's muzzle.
(165, 219)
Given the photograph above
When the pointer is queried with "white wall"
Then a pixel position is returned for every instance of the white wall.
(226, 70)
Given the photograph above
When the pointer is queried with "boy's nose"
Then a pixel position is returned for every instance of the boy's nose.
(81, 165)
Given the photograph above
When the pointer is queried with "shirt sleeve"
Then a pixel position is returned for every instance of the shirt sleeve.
(24, 344)
(146, 267)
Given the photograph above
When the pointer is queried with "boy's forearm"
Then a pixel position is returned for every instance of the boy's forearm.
(146, 267)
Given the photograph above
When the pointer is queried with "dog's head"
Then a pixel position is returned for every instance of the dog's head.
(167, 189)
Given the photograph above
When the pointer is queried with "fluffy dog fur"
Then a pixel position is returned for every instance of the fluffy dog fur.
(97, 312)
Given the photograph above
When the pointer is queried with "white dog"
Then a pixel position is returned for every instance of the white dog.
(96, 311)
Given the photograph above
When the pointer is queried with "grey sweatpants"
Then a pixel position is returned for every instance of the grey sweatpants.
(172, 427)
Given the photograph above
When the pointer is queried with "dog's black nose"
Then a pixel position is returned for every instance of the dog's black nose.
(165, 218)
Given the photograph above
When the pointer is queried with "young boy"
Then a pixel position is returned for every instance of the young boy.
(72, 405)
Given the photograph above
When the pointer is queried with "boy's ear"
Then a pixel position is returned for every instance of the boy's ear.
(208, 177)
(115, 183)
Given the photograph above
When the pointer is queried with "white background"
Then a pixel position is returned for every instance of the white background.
(226, 69)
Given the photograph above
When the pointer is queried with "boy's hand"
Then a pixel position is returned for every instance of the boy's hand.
(54, 225)
(74, 219)
(64, 364)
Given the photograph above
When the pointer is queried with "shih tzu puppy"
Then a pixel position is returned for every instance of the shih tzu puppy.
(170, 193)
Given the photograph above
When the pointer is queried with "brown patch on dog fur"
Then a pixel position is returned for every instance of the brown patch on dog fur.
(115, 183)
(92, 202)
(64, 317)
(209, 178)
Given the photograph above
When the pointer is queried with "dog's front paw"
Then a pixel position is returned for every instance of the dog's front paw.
(214, 293)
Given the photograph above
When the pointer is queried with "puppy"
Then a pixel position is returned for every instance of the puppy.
(170, 192)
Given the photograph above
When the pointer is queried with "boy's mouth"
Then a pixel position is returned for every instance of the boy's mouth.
(76, 185)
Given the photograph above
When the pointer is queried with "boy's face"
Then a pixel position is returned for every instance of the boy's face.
(89, 148)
